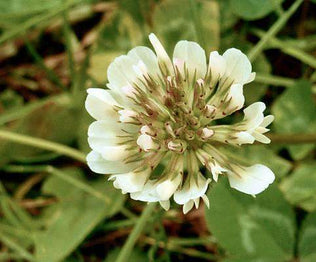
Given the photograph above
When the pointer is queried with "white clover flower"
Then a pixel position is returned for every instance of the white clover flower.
(158, 124)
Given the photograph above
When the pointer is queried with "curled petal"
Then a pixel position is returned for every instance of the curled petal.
(166, 188)
(192, 189)
(99, 104)
(252, 180)
(130, 182)
(244, 138)
(148, 193)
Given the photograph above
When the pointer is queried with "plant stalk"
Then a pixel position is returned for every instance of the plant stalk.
(141, 223)
(274, 29)
(43, 144)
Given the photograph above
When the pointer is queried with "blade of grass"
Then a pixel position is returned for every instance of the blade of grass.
(62, 175)
(43, 144)
(38, 59)
(68, 33)
(19, 232)
(274, 29)
(34, 21)
(16, 247)
(14, 213)
(77, 183)
(6, 256)
(178, 249)
(197, 23)
(17, 113)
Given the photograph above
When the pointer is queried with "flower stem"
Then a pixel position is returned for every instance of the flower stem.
(290, 50)
(43, 144)
(137, 230)
(274, 29)
(274, 80)
(292, 138)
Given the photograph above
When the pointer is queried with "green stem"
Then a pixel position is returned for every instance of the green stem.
(290, 50)
(274, 29)
(292, 138)
(178, 249)
(124, 254)
(43, 144)
(274, 80)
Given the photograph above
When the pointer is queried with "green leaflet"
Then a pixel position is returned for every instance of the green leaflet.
(295, 112)
(300, 187)
(76, 214)
(251, 228)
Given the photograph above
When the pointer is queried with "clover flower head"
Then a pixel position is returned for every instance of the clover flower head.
(159, 122)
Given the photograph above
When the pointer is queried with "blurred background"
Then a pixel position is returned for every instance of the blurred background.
(52, 208)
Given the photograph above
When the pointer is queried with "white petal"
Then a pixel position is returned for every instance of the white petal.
(121, 73)
(244, 138)
(165, 204)
(216, 170)
(166, 188)
(191, 190)
(188, 206)
(146, 142)
(110, 129)
(148, 193)
(148, 57)
(253, 180)
(99, 143)
(206, 201)
(251, 77)
(207, 133)
(238, 66)
(127, 115)
(101, 166)
(254, 115)
(196, 202)
(130, 182)
(161, 52)
(193, 57)
(104, 95)
(267, 121)
(114, 153)
(261, 138)
(217, 66)
(237, 98)
(106, 129)
(99, 104)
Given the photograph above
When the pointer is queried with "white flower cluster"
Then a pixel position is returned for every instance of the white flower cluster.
(158, 124)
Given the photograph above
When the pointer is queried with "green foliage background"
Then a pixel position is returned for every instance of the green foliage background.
(52, 208)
